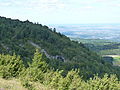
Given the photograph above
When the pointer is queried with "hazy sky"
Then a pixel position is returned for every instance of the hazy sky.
(62, 11)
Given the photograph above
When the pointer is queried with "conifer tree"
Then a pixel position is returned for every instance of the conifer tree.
(36, 70)
(10, 66)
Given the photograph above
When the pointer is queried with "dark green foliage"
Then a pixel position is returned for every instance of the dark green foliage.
(23, 37)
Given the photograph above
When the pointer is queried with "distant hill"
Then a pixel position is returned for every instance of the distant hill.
(101, 46)
(23, 37)
(91, 31)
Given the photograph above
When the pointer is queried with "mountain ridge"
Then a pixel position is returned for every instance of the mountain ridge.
(15, 36)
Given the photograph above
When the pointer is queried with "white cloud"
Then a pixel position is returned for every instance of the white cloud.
(5, 4)
(89, 7)
(105, 0)
(118, 5)
(45, 5)
(34, 4)
(10, 3)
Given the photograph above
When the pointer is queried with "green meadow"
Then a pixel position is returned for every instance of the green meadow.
(116, 61)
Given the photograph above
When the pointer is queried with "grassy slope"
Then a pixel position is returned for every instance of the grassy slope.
(116, 61)
(10, 85)
(94, 41)
(110, 52)
(15, 84)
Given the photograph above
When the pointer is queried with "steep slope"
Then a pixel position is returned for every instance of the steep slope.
(23, 37)
(18, 36)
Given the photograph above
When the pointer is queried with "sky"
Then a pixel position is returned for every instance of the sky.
(62, 11)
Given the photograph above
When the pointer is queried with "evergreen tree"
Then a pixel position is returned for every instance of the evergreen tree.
(10, 66)
(36, 70)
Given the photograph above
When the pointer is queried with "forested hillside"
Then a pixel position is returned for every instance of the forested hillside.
(23, 37)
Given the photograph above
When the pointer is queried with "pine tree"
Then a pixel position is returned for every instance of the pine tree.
(10, 66)
(36, 70)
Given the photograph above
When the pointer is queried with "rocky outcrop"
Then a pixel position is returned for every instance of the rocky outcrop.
(33, 44)
(58, 57)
